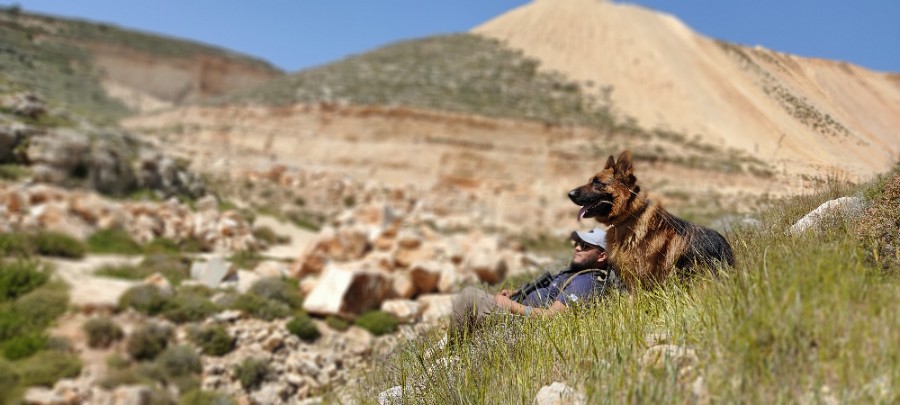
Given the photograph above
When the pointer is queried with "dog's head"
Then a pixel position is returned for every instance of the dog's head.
(606, 195)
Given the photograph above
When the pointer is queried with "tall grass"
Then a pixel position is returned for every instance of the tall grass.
(807, 318)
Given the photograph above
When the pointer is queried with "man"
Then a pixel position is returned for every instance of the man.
(586, 277)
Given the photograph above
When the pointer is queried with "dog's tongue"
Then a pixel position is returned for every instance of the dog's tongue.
(581, 213)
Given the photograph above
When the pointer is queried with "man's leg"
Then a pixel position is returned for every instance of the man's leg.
(470, 307)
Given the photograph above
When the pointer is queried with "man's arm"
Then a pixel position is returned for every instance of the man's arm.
(502, 299)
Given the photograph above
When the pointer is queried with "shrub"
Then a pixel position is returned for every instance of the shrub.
(303, 327)
(22, 346)
(19, 277)
(102, 332)
(251, 372)
(58, 245)
(337, 323)
(16, 244)
(144, 298)
(46, 368)
(113, 241)
(261, 308)
(213, 340)
(40, 307)
(280, 290)
(170, 247)
(175, 267)
(179, 361)
(199, 397)
(267, 235)
(148, 341)
(9, 379)
(378, 322)
(188, 307)
(116, 361)
(11, 322)
(246, 259)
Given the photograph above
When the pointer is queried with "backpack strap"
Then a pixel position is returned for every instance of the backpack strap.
(601, 275)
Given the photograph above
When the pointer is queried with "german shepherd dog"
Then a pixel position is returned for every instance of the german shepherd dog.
(646, 243)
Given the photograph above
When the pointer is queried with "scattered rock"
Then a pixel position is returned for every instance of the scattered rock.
(558, 394)
(346, 292)
(391, 396)
(839, 208)
(680, 356)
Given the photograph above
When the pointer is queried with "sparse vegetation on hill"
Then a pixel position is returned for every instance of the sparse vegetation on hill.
(800, 319)
(462, 73)
(31, 61)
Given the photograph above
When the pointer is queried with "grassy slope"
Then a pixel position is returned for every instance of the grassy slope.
(60, 73)
(460, 73)
(47, 55)
(800, 319)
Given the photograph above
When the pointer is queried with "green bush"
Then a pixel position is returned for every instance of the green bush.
(179, 361)
(175, 268)
(22, 346)
(189, 307)
(199, 397)
(170, 247)
(148, 341)
(251, 372)
(267, 235)
(144, 298)
(336, 323)
(40, 307)
(19, 277)
(378, 322)
(16, 244)
(46, 368)
(245, 259)
(261, 308)
(213, 340)
(277, 289)
(58, 245)
(102, 332)
(11, 322)
(116, 361)
(9, 380)
(303, 327)
(113, 241)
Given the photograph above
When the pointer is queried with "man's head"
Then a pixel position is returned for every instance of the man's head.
(590, 250)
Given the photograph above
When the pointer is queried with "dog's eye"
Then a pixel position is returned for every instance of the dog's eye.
(596, 182)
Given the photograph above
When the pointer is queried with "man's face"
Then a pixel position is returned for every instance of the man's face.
(587, 256)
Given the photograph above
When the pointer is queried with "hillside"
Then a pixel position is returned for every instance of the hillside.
(144, 71)
(807, 115)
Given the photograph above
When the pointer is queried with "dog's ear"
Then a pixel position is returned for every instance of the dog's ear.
(623, 165)
(624, 170)
(609, 163)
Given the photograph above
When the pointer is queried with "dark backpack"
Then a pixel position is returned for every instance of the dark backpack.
(605, 278)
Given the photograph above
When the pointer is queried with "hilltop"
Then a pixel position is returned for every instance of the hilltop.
(103, 70)
(808, 115)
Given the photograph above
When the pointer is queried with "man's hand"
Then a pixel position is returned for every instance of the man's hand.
(502, 299)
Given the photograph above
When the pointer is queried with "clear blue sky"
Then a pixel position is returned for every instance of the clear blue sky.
(297, 34)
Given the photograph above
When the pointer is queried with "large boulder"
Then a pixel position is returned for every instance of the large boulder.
(837, 209)
(347, 292)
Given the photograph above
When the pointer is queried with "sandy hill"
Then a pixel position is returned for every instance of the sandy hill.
(806, 115)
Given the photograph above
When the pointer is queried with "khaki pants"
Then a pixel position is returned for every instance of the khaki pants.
(470, 308)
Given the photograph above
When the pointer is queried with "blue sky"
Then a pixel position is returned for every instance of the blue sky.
(298, 34)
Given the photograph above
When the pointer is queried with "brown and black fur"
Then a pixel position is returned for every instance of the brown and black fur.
(646, 243)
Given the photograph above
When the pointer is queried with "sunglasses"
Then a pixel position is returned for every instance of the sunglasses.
(582, 245)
